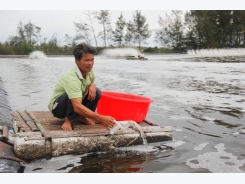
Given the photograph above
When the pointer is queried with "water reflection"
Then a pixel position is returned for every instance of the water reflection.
(111, 163)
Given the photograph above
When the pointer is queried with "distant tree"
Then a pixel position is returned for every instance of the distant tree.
(52, 45)
(118, 34)
(85, 28)
(109, 35)
(91, 15)
(171, 29)
(68, 40)
(161, 36)
(238, 24)
(28, 33)
(141, 28)
(128, 38)
(104, 18)
(83, 32)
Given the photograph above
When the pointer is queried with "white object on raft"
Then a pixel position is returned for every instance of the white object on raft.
(120, 126)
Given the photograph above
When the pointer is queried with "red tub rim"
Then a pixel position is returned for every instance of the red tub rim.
(138, 97)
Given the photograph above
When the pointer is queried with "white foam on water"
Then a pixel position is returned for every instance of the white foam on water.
(217, 162)
(178, 130)
(208, 118)
(216, 52)
(37, 55)
(53, 165)
(152, 146)
(164, 107)
(175, 143)
(200, 146)
(139, 148)
(180, 117)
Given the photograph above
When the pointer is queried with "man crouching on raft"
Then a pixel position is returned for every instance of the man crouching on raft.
(75, 95)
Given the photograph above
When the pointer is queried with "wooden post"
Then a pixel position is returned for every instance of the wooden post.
(5, 136)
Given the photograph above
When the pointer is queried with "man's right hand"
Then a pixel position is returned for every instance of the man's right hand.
(108, 121)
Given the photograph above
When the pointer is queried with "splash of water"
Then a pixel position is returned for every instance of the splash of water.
(37, 55)
(121, 126)
(138, 127)
(225, 51)
(121, 52)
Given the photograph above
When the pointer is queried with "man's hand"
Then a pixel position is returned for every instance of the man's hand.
(108, 121)
(91, 91)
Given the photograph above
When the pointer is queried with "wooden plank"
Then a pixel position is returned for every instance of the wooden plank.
(43, 115)
(28, 120)
(25, 130)
(26, 134)
(84, 130)
(33, 138)
(52, 127)
(144, 124)
(150, 123)
(18, 122)
(43, 131)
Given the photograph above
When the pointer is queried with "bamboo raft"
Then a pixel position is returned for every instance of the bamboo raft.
(39, 135)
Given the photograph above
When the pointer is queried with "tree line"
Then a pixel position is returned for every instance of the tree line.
(196, 29)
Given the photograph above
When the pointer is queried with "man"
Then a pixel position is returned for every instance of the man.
(75, 95)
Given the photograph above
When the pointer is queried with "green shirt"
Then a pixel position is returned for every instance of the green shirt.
(73, 84)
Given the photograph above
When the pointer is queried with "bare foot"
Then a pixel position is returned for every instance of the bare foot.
(87, 121)
(67, 125)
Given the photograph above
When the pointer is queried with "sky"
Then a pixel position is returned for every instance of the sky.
(59, 18)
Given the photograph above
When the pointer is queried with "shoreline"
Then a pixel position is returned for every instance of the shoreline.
(13, 56)
(27, 56)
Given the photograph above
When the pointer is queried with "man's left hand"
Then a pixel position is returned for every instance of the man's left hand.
(91, 91)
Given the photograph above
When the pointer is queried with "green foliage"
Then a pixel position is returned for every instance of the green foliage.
(140, 28)
(152, 50)
(104, 18)
(170, 33)
(118, 34)
(199, 29)
(215, 28)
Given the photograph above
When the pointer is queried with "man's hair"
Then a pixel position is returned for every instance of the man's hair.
(81, 49)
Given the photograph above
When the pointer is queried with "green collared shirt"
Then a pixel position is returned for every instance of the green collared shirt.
(73, 84)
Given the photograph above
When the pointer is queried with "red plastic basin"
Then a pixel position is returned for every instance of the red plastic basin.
(123, 106)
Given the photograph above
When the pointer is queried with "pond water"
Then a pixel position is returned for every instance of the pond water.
(202, 96)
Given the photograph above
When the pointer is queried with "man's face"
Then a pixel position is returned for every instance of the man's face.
(85, 64)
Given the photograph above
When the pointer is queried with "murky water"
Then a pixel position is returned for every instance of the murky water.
(201, 97)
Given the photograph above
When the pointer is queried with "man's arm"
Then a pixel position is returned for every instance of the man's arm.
(108, 121)
(91, 91)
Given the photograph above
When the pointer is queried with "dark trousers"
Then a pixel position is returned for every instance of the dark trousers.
(65, 108)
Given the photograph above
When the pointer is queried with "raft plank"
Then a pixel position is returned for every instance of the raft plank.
(26, 130)
(28, 120)
(43, 131)
(52, 127)
(26, 134)
(34, 137)
(150, 123)
(18, 122)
